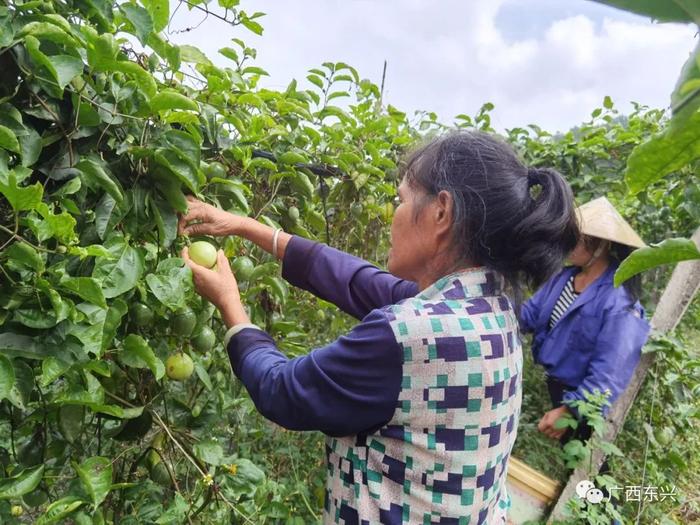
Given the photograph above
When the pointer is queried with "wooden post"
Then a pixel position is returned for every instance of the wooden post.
(682, 287)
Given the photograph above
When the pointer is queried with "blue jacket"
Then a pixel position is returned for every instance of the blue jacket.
(597, 343)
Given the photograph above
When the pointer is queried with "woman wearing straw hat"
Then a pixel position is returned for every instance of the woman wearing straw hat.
(586, 333)
(420, 400)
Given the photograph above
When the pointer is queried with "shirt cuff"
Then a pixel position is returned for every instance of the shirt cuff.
(235, 329)
(297, 260)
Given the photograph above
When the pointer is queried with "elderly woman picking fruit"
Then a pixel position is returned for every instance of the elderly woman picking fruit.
(420, 400)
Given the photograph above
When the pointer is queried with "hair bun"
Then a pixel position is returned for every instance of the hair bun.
(533, 176)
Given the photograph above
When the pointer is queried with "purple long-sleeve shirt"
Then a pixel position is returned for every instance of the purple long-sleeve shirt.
(346, 387)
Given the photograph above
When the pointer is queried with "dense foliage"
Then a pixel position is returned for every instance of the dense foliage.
(99, 143)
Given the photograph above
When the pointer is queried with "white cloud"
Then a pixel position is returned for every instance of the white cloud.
(452, 56)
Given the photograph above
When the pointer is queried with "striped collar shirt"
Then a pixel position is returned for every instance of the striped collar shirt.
(567, 297)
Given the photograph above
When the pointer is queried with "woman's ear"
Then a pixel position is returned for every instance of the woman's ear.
(445, 204)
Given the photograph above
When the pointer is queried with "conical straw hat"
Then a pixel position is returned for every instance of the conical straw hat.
(599, 218)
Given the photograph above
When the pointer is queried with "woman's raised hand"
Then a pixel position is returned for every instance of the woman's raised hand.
(210, 220)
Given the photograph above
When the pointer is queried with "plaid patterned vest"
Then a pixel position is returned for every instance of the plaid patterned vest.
(442, 458)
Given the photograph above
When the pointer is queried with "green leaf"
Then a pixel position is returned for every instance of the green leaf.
(7, 377)
(8, 140)
(685, 99)
(166, 221)
(672, 149)
(252, 25)
(21, 391)
(86, 288)
(291, 157)
(160, 12)
(277, 286)
(19, 345)
(252, 99)
(120, 273)
(35, 318)
(63, 68)
(61, 226)
(335, 112)
(669, 11)
(248, 477)
(262, 163)
(26, 255)
(194, 55)
(666, 252)
(48, 31)
(140, 18)
(31, 146)
(209, 451)
(59, 509)
(165, 50)
(66, 67)
(107, 215)
(95, 173)
(52, 369)
(139, 354)
(229, 53)
(102, 50)
(170, 293)
(315, 80)
(171, 99)
(96, 476)
(180, 168)
(177, 511)
(21, 484)
(113, 320)
(70, 421)
(142, 77)
(21, 198)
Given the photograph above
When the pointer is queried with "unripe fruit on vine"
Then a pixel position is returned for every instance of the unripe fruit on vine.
(179, 366)
(204, 341)
(16, 510)
(387, 211)
(293, 214)
(203, 253)
(141, 314)
(243, 268)
(184, 322)
(61, 249)
(214, 169)
(664, 435)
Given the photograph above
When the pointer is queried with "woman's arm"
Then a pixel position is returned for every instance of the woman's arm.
(343, 388)
(617, 352)
(353, 284)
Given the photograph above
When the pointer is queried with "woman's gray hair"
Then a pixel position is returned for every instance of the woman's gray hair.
(497, 221)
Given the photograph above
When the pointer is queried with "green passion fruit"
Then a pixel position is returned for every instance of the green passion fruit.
(179, 366)
(141, 314)
(214, 169)
(184, 321)
(204, 341)
(203, 253)
(243, 268)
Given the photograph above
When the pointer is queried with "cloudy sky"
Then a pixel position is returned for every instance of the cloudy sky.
(548, 62)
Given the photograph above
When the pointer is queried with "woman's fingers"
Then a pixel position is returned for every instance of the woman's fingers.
(222, 262)
(196, 210)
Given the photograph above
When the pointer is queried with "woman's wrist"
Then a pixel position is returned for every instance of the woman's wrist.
(233, 312)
